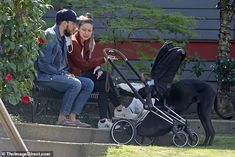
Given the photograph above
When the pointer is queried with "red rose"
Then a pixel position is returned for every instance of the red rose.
(41, 40)
(10, 52)
(25, 99)
(8, 77)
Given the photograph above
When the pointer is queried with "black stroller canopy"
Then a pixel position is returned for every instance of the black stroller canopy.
(163, 72)
(166, 66)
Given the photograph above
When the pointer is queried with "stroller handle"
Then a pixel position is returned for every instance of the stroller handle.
(114, 52)
(148, 102)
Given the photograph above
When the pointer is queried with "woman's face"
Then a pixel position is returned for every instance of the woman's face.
(85, 31)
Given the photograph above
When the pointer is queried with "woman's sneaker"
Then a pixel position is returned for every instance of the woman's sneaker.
(125, 113)
(105, 124)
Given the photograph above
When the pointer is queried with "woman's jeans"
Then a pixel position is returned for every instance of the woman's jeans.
(76, 91)
(104, 96)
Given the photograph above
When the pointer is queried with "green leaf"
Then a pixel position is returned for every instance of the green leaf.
(13, 100)
(12, 66)
(10, 3)
(12, 45)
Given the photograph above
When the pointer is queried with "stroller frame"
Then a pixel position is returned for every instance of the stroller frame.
(127, 129)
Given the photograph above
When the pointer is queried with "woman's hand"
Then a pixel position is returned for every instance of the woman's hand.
(99, 73)
(70, 75)
(111, 57)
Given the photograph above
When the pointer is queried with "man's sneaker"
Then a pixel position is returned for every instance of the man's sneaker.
(125, 113)
(105, 124)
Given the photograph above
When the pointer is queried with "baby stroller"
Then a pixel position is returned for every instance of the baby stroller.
(164, 68)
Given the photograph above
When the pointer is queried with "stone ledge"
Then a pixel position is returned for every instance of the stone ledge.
(60, 149)
(94, 135)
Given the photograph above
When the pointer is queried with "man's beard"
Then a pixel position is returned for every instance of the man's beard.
(67, 32)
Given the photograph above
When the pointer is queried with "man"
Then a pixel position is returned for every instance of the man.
(52, 70)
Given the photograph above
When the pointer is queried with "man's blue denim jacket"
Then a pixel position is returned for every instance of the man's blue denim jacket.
(53, 60)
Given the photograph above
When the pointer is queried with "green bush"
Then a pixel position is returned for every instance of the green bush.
(20, 27)
(225, 71)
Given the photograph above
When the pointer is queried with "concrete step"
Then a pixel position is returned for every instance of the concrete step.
(220, 126)
(60, 149)
(60, 133)
(86, 141)
(87, 135)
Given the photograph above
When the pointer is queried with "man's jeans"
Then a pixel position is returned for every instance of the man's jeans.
(77, 90)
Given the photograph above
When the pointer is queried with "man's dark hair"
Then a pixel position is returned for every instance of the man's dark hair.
(66, 15)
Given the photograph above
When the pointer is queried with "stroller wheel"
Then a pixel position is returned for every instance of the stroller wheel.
(180, 139)
(143, 140)
(123, 131)
(193, 139)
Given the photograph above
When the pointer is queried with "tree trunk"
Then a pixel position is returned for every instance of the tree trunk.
(226, 16)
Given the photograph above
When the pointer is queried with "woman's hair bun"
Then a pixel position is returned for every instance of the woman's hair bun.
(88, 15)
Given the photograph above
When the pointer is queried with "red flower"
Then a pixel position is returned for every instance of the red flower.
(8, 77)
(25, 99)
(41, 40)
(10, 52)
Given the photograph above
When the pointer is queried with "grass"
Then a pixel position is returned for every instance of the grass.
(224, 146)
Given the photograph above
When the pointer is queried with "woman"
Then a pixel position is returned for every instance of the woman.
(82, 63)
